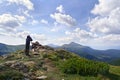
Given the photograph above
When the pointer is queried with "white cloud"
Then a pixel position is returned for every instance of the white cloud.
(11, 22)
(93, 40)
(44, 21)
(105, 6)
(107, 41)
(108, 20)
(20, 18)
(109, 38)
(20, 37)
(63, 40)
(39, 37)
(60, 9)
(64, 19)
(23, 35)
(26, 13)
(54, 29)
(34, 22)
(80, 35)
(36, 37)
(27, 3)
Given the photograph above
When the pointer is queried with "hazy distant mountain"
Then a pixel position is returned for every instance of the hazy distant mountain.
(115, 62)
(83, 51)
(87, 52)
(4, 49)
(52, 45)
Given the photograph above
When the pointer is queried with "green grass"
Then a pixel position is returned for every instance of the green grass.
(115, 70)
(51, 60)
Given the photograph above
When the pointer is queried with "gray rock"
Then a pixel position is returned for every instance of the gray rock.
(20, 66)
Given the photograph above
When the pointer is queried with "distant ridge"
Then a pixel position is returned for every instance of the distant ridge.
(93, 54)
(83, 51)
(52, 45)
(4, 48)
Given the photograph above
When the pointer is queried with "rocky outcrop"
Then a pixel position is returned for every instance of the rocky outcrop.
(17, 65)
(36, 46)
(20, 66)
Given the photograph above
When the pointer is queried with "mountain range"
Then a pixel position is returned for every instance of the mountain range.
(83, 51)
(4, 48)
(93, 54)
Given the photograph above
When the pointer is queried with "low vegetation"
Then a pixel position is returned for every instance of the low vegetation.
(84, 67)
(56, 65)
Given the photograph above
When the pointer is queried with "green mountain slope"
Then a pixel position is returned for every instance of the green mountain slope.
(4, 49)
(50, 64)
(92, 54)
(115, 62)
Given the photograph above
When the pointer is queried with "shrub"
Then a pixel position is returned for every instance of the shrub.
(83, 67)
(11, 75)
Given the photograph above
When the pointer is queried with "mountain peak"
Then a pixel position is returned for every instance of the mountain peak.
(74, 44)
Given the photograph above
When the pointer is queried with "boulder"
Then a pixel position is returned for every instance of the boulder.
(20, 66)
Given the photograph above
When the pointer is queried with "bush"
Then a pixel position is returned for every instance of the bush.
(11, 75)
(83, 67)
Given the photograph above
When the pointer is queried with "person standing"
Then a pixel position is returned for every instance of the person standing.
(27, 45)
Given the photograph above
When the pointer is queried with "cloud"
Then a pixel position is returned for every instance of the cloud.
(63, 40)
(80, 35)
(27, 3)
(26, 13)
(105, 7)
(64, 19)
(23, 35)
(36, 37)
(90, 39)
(20, 37)
(34, 22)
(111, 38)
(60, 9)
(11, 22)
(54, 30)
(44, 21)
(108, 19)
(107, 41)
(39, 37)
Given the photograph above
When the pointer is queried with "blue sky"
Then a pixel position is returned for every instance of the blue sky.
(94, 23)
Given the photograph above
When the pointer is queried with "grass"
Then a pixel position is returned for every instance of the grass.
(53, 73)
(115, 70)
(113, 75)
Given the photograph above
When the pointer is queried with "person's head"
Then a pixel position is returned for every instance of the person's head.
(28, 36)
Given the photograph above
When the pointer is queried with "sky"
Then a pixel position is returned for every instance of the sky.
(94, 23)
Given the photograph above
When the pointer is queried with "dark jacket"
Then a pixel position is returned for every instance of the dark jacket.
(28, 39)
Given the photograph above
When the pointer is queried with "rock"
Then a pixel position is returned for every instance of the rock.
(30, 64)
(20, 66)
(9, 63)
(36, 46)
(41, 78)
